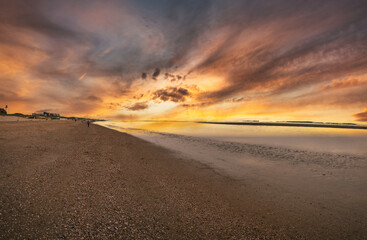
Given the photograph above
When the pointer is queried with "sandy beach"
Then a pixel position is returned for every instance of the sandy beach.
(63, 180)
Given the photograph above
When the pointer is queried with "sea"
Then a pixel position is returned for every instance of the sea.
(313, 165)
(332, 140)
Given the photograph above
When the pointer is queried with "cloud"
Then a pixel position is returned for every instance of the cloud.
(94, 98)
(362, 116)
(19, 14)
(344, 102)
(10, 96)
(156, 73)
(241, 99)
(281, 57)
(228, 49)
(195, 105)
(338, 84)
(172, 94)
(137, 106)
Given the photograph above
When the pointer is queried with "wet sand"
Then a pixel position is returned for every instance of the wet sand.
(61, 179)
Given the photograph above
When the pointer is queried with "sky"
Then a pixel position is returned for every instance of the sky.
(186, 60)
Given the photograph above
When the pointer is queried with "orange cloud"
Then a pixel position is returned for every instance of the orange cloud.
(362, 116)
(137, 106)
(338, 84)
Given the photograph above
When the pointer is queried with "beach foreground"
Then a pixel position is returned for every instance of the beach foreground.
(61, 179)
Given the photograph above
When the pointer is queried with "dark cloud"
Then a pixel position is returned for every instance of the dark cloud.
(137, 106)
(143, 75)
(156, 73)
(172, 94)
(196, 105)
(169, 75)
(362, 116)
(139, 96)
(21, 14)
(241, 99)
(94, 98)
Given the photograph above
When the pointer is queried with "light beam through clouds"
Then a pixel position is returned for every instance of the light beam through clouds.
(186, 60)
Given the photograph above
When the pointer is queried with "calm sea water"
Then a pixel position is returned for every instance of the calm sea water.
(314, 139)
(331, 167)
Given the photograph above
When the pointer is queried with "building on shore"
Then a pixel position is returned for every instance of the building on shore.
(3, 111)
(46, 115)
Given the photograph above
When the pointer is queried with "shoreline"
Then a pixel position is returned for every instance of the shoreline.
(62, 179)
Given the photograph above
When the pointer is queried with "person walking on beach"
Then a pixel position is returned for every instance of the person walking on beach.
(88, 122)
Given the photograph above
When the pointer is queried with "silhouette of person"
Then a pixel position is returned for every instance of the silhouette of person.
(88, 122)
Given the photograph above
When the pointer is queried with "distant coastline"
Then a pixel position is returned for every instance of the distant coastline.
(294, 124)
(43, 116)
(276, 124)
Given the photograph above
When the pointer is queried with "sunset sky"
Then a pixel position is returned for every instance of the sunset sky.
(186, 60)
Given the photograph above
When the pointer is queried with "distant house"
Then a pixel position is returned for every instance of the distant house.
(3, 111)
(37, 116)
(51, 115)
